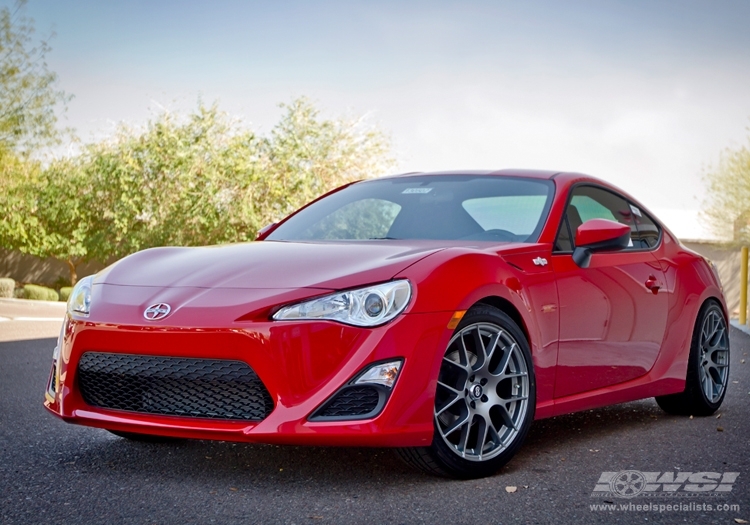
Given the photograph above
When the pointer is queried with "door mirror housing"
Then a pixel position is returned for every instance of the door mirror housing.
(599, 235)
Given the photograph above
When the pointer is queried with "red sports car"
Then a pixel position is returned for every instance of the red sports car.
(437, 313)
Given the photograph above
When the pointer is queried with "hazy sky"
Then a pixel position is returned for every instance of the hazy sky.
(640, 93)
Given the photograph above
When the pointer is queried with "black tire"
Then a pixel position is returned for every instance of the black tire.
(491, 417)
(145, 438)
(709, 346)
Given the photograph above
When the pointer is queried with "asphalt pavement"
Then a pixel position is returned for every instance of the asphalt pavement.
(55, 473)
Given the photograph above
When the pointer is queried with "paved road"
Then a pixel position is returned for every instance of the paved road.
(21, 319)
(55, 473)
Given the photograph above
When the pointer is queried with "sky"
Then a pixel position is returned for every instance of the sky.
(643, 94)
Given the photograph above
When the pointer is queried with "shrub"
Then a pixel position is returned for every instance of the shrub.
(7, 286)
(61, 282)
(40, 293)
(65, 292)
(19, 293)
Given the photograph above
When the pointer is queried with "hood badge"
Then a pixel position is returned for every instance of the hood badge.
(157, 311)
(540, 261)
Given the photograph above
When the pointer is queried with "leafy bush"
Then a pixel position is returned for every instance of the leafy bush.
(726, 202)
(40, 293)
(61, 282)
(7, 286)
(180, 180)
(65, 292)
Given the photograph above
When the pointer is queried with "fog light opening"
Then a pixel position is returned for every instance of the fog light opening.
(381, 374)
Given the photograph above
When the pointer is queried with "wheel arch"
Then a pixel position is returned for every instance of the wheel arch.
(710, 296)
(717, 300)
(507, 308)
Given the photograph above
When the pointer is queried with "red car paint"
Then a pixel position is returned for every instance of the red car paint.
(616, 331)
(599, 230)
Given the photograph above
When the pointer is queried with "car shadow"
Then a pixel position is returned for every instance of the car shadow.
(239, 464)
(588, 430)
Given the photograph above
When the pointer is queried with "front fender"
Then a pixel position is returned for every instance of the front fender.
(457, 278)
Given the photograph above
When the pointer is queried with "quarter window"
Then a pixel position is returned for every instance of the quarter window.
(648, 232)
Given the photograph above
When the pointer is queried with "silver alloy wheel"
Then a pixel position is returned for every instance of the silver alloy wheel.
(483, 392)
(714, 349)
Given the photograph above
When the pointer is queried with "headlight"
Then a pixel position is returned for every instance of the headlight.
(370, 306)
(79, 302)
(58, 346)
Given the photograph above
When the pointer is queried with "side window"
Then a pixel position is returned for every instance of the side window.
(590, 208)
(648, 232)
(588, 202)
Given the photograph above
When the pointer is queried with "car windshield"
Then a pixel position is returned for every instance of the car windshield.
(446, 207)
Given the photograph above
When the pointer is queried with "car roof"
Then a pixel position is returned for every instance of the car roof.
(531, 174)
(560, 176)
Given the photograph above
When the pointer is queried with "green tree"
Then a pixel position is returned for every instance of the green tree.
(16, 193)
(60, 224)
(727, 203)
(206, 180)
(185, 181)
(177, 182)
(306, 156)
(42, 210)
(28, 92)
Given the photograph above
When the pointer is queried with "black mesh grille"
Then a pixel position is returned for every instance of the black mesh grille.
(174, 386)
(352, 401)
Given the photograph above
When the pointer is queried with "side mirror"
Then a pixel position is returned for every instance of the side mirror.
(599, 235)
(264, 230)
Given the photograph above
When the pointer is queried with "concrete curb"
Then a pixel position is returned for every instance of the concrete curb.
(741, 327)
(9, 300)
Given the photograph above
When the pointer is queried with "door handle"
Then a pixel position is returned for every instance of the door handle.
(652, 284)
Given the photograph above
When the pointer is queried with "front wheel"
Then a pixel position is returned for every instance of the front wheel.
(708, 367)
(485, 398)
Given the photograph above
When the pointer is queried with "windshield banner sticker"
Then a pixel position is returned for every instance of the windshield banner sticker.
(417, 190)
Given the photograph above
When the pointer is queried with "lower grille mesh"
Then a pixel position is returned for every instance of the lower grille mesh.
(174, 386)
(352, 401)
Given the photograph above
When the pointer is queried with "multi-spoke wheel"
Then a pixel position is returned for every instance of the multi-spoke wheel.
(482, 392)
(485, 398)
(708, 367)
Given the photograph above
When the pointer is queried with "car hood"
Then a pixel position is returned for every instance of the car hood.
(269, 264)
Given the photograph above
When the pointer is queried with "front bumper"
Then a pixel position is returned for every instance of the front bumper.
(302, 364)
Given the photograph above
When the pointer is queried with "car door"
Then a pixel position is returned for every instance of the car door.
(612, 313)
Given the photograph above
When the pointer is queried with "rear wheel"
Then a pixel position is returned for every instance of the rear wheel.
(708, 367)
(145, 438)
(485, 398)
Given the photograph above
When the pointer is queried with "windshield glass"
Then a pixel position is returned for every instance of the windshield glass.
(448, 207)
